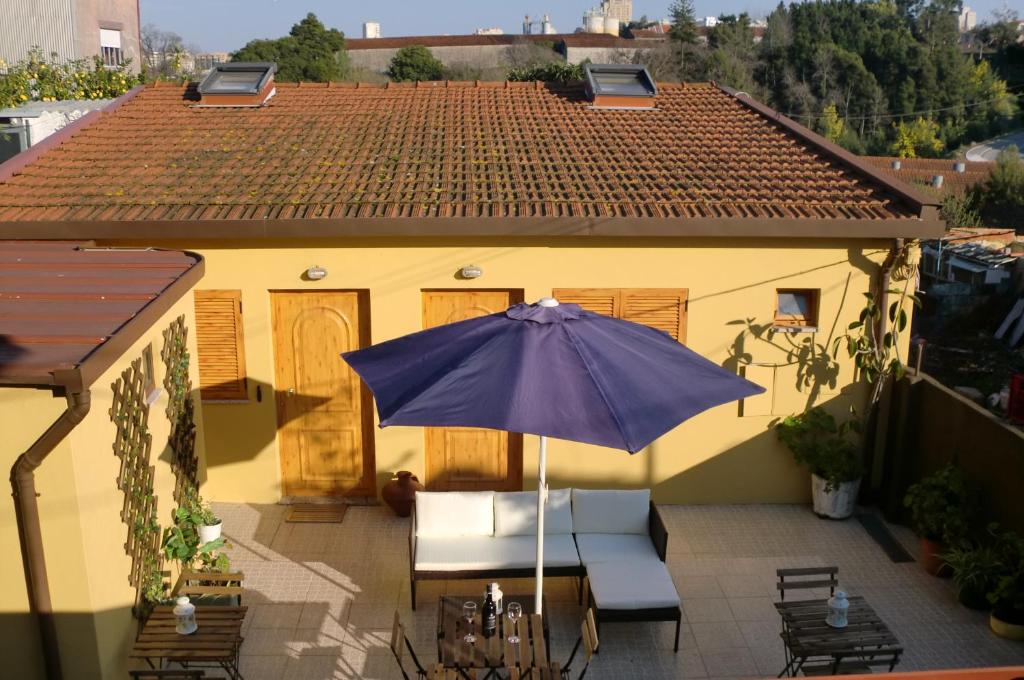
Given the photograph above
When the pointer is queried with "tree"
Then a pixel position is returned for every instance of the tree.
(310, 52)
(684, 29)
(162, 52)
(918, 138)
(415, 62)
(831, 124)
(1002, 196)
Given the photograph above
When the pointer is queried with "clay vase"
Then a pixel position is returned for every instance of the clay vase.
(930, 560)
(400, 492)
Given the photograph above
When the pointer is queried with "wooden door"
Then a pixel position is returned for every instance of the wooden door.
(324, 413)
(465, 458)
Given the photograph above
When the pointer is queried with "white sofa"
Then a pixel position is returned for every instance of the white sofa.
(616, 539)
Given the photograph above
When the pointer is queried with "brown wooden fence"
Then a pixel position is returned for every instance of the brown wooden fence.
(930, 426)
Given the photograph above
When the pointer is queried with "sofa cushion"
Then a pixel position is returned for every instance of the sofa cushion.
(632, 585)
(615, 548)
(484, 552)
(515, 513)
(610, 512)
(455, 513)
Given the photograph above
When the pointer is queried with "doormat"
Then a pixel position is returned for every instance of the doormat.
(883, 537)
(317, 512)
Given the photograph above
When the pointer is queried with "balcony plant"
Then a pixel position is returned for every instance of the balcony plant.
(210, 523)
(941, 506)
(1007, 597)
(195, 532)
(976, 570)
(830, 451)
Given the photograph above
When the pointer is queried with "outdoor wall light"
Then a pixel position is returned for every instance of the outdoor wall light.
(471, 272)
(316, 272)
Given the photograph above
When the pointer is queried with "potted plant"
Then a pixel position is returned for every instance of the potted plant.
(1007, 597)
(829, 450)
(941, 507)
(210, 524)
(976, 570)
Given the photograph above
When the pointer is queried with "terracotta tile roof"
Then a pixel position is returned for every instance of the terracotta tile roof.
(338, 152)
(60, 303)
(920, 171)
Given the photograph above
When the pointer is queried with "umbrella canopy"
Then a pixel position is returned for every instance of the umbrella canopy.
(557, 371)
(546, 369)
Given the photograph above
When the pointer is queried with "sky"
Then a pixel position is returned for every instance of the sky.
(226, 25)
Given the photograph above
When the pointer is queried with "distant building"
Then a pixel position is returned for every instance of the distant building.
(489, 31)
(618, 9)
(371, 29)
(968, 19)
(207, 60)
(544, 26)
(709, 22)
(72, 29)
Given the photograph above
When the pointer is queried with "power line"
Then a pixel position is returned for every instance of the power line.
(905, 115)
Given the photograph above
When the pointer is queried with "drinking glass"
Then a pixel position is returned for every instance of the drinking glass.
(515, 612)
(469, 613)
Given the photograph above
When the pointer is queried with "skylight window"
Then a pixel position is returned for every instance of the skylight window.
(238, 84)
(620, 85)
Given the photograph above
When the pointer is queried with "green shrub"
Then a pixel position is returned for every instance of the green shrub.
(47, 79)
(942, 506)
(554, 72)
(415, 62)
(827, 448)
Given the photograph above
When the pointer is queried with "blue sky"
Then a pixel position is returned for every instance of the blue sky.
(224, 25)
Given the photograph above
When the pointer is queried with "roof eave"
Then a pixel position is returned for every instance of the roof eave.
(106, 354)
(927, 207)
(927, 226)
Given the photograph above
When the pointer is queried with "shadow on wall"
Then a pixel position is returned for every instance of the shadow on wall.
(79, 634)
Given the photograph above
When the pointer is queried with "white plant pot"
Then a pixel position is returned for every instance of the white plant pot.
(209, 532)
(837, 503)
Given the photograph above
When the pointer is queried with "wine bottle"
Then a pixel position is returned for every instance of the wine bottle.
(489, 615)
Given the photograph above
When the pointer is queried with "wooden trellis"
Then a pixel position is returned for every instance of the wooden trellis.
(132, 445)
(180, 408)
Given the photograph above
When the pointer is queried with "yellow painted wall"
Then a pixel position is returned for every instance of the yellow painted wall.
(717, 457)
(83, 534)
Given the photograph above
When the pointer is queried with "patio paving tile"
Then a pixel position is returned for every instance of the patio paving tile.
(322, 597)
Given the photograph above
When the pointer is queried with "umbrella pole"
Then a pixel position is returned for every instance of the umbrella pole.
(542, 497)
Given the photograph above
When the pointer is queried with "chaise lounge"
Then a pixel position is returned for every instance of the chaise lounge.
(615, 539)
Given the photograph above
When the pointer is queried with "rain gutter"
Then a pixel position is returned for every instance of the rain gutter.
(26, 506)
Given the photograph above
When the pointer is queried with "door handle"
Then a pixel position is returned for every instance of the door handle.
(291, 391)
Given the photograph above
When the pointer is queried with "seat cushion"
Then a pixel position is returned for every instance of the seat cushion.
(610, 512)
(484, 552)
(455, 513)
(515, 513)
(615, 548)
(632, 585)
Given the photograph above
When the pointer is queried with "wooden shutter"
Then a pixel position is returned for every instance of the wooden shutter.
(220, 342)
(661, 308)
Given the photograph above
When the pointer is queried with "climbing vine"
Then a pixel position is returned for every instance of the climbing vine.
(180, 409)
(132, 445)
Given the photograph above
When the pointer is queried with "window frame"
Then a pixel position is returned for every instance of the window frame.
(794, 322)
(620, 298)
(217, 392)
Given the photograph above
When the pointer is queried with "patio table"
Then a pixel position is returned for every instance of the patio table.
(215, 643)
(496, 651)
(817, 648)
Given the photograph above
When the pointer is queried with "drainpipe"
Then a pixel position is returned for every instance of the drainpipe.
(26, 509)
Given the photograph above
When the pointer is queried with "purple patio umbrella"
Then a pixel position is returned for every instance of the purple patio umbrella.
(550, 370)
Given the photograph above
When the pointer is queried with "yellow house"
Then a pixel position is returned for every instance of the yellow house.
(91, 342)
(335, 215)
(332, 216)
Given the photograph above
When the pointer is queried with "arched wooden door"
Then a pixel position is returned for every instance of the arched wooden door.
(465, 458)
(324, 413)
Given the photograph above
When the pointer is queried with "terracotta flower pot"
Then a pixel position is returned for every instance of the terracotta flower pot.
(400, 492)
(930, 560)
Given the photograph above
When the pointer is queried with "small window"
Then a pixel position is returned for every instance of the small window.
(149, 373)
(110, 47)
(796, 308)
(237, 78)
(220, 345)
(661, 308)
(620, 85)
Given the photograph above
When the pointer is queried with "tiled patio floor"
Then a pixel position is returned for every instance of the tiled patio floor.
(322, 596)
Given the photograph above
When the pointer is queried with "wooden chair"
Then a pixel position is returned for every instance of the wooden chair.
(803, 578)
(198, 585)
(807, 577)
(588, 640)
(399, 643)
